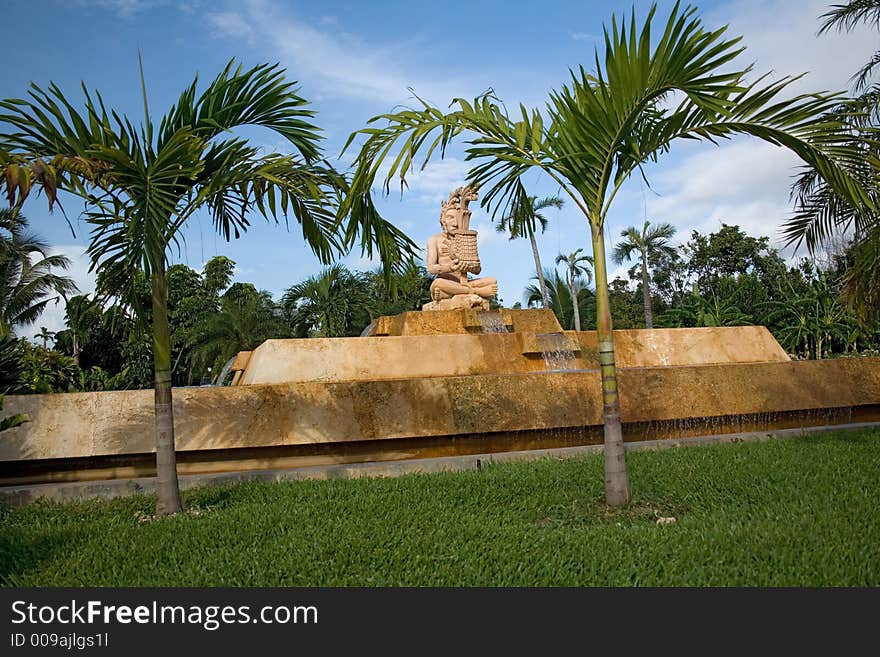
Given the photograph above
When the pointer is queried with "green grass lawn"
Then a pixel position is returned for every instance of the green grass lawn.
(799, 511)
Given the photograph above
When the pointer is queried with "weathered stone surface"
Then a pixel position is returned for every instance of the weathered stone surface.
(458, 301)
(462, 350)
(106, 423)
(464, 321)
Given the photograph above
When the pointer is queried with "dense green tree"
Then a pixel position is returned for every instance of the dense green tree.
(334, 303)
(45, 370)
(409, 288)
(11, 354)
(728, 252)
(246, 318)
(670, 276)
(718, 307)
(649, 243)
(626, 305)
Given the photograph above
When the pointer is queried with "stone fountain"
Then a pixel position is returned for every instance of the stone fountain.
(454, 378)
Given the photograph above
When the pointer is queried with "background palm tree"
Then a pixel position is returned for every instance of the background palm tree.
(652, 242)
(599, 129)
(334, 303)
(45, 335)
(142, 184)
(559, 297)
(521, 222)
(27, 273)
(246, 319)
(575, 269)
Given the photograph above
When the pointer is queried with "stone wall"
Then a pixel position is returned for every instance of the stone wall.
(461, 354)
(300, 413)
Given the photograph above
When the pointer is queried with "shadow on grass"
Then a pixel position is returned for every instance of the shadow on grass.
(19, 556)
(212, 497)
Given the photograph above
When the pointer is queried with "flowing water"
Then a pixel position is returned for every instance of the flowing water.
(558, 357)
(223, 372)
(492, 322)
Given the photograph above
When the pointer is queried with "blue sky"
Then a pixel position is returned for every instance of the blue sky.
(354, 60)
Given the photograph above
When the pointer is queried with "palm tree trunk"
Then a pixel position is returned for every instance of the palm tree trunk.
(646, 293)
(616, 478)
(538, 270)
(574, 305)
(168, 500)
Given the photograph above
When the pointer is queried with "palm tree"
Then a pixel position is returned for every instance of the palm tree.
(559, 297)
(45, 335)
(27, 278)
(652, 242)
(246, 319)
(711, 309)
(335, 303)
(575, 269)
(142, 184)
(820, 209)
(521, 222)
(602, 127)
(80, 313)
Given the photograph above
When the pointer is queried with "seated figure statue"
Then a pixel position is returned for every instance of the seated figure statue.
(452, 288)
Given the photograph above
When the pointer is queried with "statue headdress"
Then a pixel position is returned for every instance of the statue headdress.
(458, 200)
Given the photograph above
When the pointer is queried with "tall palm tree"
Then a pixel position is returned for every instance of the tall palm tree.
(80, 313)
(599, 129)
(522, 221)
(821, 211)
(142, 183)
(559, 297)
(652, 242)
(28, 281)
(575, 269)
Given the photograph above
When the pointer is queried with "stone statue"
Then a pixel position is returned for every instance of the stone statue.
(452, 255)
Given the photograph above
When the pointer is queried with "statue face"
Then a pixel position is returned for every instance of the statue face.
(449, 220)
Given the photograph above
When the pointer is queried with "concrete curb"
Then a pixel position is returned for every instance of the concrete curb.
(69, 491)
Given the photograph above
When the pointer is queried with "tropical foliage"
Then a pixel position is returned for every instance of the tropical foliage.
(559, 299)
(601, 127)
(577, 267)
(821, 212)
(142, 183)
(28, 273)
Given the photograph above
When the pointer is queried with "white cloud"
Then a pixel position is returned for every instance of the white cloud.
(429, 185)
(230, 24)
(333, 61)
(130, 8)
(781, 36)
(747, 181)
